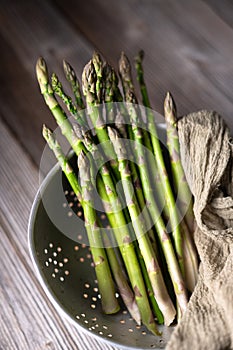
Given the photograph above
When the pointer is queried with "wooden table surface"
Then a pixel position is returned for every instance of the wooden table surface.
(189, 51)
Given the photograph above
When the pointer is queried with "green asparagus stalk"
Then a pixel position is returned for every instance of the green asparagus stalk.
(127, 82)
(140, 79)
(55, 108)
(106, 285)
(154, 272)
(130, 259)
(153, 302)
(124, 239)
(98, 65)
(142, 204)
(125, 73)
(125, 291)
(95, 154)
(62, 160)
(184, 194)
(59, 91)
(89, 80)
(144, 140)
(108, 84)
(136, 182)
(108, 95)
(190, 258)
(168, 194)
(74, 82)
(180, 182)
(103, 273)
(122, 129)
(116, 217)
(173, 266)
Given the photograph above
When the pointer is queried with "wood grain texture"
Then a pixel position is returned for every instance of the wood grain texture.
(187, 44)
(27, 319)
(29, 29)
(223, 9)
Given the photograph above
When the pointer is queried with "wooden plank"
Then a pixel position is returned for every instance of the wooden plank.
(187, 45)
(27, 318)
(223, 9)
(29, 29)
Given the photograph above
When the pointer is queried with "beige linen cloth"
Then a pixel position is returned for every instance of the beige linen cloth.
(206, 154)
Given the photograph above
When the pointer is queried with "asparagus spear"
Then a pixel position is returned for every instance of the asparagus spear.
(168, 194)
(105, 282)
(130, 259)
(98, 65)
(173, 266)
(89, 80)
(106, 286)
(153, 302)
(180, 182)
(125, 73)
(137, 186)
(140, 79)
(74, 82)
(190, 261)
(109, 184)
(108, 84)
(108, 93)
(79, 116)
(190, 258)
(182, 188)
(125, 291)
(112, 94)
(154, 272)
(123, 239)
(58, 89)
(63, 162)
(55, 108)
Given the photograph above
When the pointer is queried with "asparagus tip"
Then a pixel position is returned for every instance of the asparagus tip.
(42, 71)
(113, 134)
(124, 64)
(131, 97)
(54, 81)
(170, 109)
(125, 73)
(78, 131)
(89, 78)
(66, 68)
(46, 132)
(69, 71)
(96, 58)
(65, 64)
(82, 160)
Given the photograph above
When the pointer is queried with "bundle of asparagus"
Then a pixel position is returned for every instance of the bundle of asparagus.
(159, 267)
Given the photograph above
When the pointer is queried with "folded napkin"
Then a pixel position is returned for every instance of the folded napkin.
(206, 154)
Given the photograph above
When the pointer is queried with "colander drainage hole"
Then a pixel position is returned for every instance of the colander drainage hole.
(55, 261)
